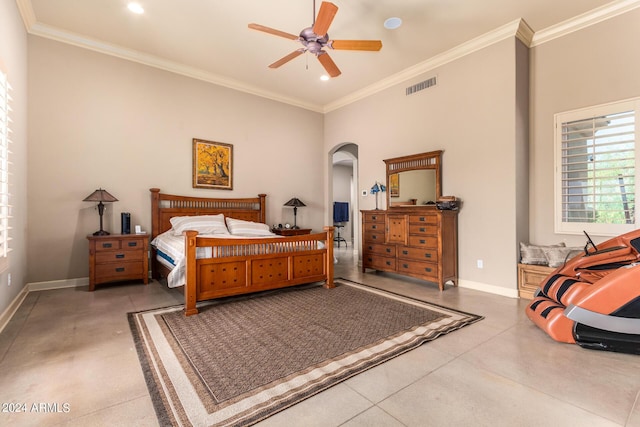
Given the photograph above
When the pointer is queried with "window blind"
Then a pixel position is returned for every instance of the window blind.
(5, 141)
(596, 168)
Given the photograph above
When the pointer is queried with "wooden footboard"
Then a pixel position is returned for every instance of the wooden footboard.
(240, 266)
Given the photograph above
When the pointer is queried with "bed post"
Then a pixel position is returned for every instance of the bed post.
(329, 267)
(155, 220)
(190, 290)
(263, 209)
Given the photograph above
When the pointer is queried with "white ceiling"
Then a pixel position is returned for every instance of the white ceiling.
(209, 39)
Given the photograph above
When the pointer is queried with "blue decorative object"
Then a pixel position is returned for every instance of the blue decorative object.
(378, 188)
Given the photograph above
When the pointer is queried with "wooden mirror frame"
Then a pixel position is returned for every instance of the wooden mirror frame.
(430, 160)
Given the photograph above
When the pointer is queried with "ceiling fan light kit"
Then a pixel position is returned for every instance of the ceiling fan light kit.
(315, 38)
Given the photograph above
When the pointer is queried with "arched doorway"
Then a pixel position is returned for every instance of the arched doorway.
(343, 187)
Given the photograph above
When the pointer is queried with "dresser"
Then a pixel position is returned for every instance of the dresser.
(420, 242)
(118, 257)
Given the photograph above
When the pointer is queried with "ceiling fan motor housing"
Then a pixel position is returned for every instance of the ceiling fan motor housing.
(312, 42)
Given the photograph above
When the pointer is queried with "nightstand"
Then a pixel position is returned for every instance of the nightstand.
(118, 257)
(291, 231)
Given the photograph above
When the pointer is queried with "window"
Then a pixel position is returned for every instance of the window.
(5, 134)
(595, 169)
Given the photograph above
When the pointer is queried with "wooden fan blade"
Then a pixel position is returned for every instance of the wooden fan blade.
(355, 44)
(287, 58)
(273, 31)
(325, 16)
(328, 64)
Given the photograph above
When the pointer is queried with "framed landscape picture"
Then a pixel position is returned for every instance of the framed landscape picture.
(212, 165)
(394, 185)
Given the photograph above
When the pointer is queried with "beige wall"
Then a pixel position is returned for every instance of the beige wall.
(13, 60)
(99, 121)
(471, 115)
(593, 66)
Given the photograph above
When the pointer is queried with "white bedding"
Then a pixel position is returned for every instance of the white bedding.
(171, 253)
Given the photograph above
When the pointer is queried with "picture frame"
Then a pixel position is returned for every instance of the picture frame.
(212, 165)
(394, 185)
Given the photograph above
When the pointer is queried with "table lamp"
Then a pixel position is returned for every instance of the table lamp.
(296, 203)
(377, 188)
(100, 196)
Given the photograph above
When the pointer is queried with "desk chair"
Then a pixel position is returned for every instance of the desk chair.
(338, 238)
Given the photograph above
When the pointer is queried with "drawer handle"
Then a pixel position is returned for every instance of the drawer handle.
(428, 269)
(374, 227)
(119, 256)
(388, 250)
(405, 265)
(370, 247)
(422, 229)
(133, 244)
(388, 262)
(421, 219)
(423, 241)
(405, 252)
(373, 218)
(427, 255)
(374, 237)
(106, 245)
(120, 269)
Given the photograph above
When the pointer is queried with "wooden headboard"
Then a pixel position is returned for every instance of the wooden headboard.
(166, 206)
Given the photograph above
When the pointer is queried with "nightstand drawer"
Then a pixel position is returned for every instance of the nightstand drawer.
(118, 256)
(115, 244)
(118, 271)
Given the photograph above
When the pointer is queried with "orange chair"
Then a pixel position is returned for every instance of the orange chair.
(593, 300)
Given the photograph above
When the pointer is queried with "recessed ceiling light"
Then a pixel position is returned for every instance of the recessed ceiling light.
(324, 77)
(392, 23)
(135, 8)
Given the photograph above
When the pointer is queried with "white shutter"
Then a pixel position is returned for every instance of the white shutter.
(596, 169)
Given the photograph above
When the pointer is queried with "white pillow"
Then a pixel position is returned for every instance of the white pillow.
(203, 224)
(239, 227)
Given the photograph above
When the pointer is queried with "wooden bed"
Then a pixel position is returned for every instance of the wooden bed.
(248, 265)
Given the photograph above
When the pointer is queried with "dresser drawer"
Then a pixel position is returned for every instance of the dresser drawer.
(118, 271)
(373, 217)
(425, 269)
(379, 262)
(419, 254)
(423, 229)
(374, 226)
(530, 277)
(372, 248)
(424, 219)
(423, 241)
(115, 244)
(118, 256)
(374, 236)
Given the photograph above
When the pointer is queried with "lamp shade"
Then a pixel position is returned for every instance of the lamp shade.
(100, 195)
(377, 188)
(295, 202)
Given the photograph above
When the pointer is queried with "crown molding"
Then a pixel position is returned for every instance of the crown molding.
(27, 13)
(585, 20)
(74, 39)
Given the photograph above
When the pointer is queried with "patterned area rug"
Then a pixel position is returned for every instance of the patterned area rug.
(243, 359)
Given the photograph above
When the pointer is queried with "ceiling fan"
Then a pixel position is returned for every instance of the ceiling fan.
(315, 38)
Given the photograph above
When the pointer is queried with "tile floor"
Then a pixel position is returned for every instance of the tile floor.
(69, 353)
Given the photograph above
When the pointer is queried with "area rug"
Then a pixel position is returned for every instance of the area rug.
(242, 359)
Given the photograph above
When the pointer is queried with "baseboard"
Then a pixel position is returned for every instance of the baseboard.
(8, 313)
(58, 284)
(492, 289)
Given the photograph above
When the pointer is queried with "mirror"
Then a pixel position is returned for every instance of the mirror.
(414, 180)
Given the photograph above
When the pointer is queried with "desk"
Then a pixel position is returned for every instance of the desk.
(291, 231)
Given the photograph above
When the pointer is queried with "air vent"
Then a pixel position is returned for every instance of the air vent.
(421, 86)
